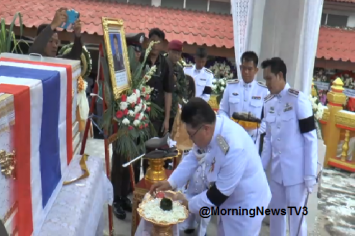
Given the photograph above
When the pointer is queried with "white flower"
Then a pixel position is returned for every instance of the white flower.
(214, 87)
(231, 76)
(123, 106)
(221, 81)
(136, 123)
(214, 81)
(222, 88)
(141, 115)
(132, 98)
(138, 93)
(137, 109)
(131, 113)
(144, 107)
(125, 121)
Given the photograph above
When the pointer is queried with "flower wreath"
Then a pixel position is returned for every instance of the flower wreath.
(85, 58)
(318, 109)
(133, 110)
(222, 72)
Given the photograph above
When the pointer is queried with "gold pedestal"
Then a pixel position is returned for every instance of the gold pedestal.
(156, 170)
(162, 230)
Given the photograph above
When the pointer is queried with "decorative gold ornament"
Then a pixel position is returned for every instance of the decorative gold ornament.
(7, 163)
(156, 170)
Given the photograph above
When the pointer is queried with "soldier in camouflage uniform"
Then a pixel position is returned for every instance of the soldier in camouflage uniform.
(181, 83)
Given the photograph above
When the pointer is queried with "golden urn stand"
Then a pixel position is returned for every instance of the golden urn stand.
(156, 170)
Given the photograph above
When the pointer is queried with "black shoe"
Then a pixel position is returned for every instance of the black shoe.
(189, 231)
(118, 211)
(126, 204)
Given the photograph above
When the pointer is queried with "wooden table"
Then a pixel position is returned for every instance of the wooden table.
(140, 190)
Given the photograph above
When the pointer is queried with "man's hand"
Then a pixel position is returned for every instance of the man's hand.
(310, 182)
(77, 28)
(59, 18)
(165, 128)
(181, 198)
(160, 186)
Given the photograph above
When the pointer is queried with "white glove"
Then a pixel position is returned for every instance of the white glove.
(309, 182)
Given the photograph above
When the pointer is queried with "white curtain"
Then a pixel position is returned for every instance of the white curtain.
(242, 11)
(312, 19)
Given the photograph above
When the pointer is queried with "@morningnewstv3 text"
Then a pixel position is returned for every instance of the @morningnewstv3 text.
(206, 212)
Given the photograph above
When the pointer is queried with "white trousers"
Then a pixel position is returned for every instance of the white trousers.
(283, 197)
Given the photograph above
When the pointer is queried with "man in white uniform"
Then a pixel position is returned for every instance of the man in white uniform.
(246, 95)
(290, 145)
(203, 77)
(234, 174)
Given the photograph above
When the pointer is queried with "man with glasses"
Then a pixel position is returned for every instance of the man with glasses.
(234, 176)
(246, 95)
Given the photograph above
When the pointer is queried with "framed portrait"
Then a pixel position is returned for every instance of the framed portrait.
(117, 57)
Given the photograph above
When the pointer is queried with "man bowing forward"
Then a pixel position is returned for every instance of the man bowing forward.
(234, 175)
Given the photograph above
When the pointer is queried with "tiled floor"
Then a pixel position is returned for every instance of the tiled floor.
(334, 216)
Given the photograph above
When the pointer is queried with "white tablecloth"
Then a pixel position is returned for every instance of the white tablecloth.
(78, 210)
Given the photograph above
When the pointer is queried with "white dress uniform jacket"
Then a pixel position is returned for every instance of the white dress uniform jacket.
(235, 176)
(290, 145)
(203, 80)
(196, 185)
(242, 97)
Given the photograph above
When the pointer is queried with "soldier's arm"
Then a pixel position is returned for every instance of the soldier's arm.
(184, 171)
(308, 130)
(224, 104)
(206, 94)
(228, 178)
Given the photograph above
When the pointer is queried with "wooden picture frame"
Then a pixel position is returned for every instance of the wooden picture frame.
(117, 56)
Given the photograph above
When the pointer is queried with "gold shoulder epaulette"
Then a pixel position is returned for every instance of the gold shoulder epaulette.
(269, 97)
(208, 70)
(188, 65)
(293, 92)
(165, 54)
(234, 81)
(222, 144)
(262, 84)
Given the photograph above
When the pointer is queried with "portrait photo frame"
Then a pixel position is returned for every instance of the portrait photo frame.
(117, 55)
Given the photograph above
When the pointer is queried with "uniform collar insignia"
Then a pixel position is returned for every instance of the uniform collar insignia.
(256, 97)
(203, 79)
(235, 94)
(272, 110)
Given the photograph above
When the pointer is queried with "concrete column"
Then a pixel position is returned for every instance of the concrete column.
(156, 3)
(282, 34)
(256, 29)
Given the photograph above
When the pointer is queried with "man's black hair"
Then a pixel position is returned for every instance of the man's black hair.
(276, 65)
(201, 52)
(42, 27)
(157, 32)
(250, 56)
(197, 112)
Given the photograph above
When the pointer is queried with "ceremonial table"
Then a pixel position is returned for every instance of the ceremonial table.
(140, 190)
(78, 209)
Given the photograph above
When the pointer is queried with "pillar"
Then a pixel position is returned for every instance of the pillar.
(336, 99)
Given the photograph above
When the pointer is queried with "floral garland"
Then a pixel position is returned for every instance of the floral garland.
(222, 73)
(318, 109)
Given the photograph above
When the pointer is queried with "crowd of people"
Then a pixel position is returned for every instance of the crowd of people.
(226, 166)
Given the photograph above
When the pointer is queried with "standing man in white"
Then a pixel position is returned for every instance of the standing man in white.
(246, 95)
(290, 145)
(203, 77)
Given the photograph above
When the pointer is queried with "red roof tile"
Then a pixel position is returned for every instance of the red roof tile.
(188, 26)
(336, 44)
